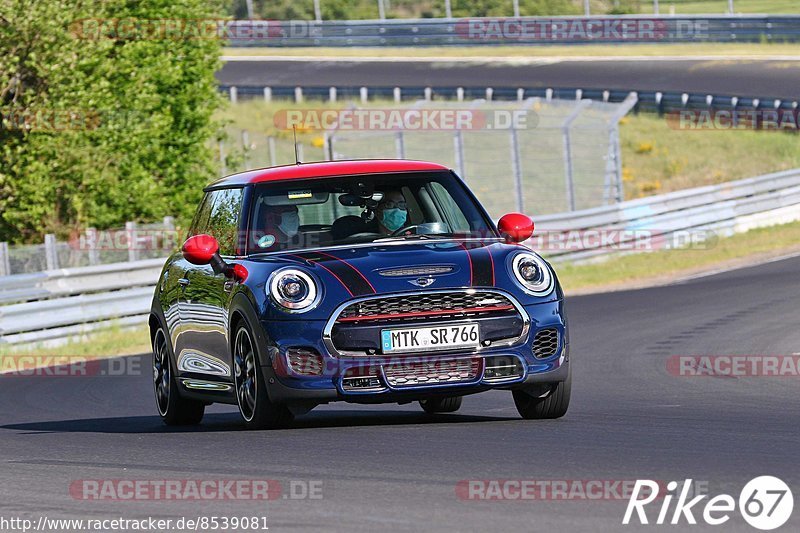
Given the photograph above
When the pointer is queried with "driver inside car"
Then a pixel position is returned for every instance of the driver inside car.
(391, 212)
(280, 224)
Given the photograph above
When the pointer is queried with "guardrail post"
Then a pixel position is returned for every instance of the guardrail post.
(489, 94)
(397, 95)
(516, 8)
(234, 94)
(51, 251)
(267, 94)
(458, 148)
(133, 245)
(332, 94)
(91, 245)
(399, 145)
(328, 145)
(245, 148)
(298, 94)
(448, 11)
(428, 94)
(460, 94)
(5, 260)
(273, 157)
(516, 170)
(520, 94)
(364, 92)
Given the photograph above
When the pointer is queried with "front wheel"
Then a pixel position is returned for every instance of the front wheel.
(441, 405)
(255, 406)
(174, 410)
(553, 405)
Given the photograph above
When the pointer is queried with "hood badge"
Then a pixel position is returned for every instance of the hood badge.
(422, 282)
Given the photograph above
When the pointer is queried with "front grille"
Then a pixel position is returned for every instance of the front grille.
(441, 305)
(432, 372)
(415, 271)
(545, 343)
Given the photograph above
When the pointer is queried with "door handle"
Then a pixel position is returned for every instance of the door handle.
(183, 282)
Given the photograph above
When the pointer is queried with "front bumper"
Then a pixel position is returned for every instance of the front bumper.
(332, 384)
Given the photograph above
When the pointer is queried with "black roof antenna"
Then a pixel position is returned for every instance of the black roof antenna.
(296, 152)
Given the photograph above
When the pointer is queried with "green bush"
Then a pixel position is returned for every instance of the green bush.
(101, 130)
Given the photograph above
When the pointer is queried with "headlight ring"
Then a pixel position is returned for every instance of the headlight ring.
(293, 290)
(533, 274)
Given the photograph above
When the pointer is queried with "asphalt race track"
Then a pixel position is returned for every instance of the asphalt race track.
(769, 78)
(392, 467)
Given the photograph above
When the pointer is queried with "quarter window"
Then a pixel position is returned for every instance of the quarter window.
(223, 218)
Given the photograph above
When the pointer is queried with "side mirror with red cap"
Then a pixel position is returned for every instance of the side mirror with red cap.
(515, 227)
(203, 249)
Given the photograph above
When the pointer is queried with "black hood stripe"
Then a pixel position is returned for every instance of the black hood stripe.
(482, 267)
(353, 280)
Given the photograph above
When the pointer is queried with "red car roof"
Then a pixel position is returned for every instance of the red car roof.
(327, 169)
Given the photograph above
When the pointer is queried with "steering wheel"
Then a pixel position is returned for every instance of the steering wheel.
(398, 232)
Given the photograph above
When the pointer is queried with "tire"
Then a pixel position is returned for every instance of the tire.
(257, 410)
(554, 405)
(441, 405)
(173, 409)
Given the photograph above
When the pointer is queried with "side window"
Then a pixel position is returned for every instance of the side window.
(200, 221)
(223, 220)
(452, 213)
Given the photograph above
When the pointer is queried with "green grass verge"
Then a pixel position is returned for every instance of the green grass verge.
(544, 51)
(639, 269)
(112, 342)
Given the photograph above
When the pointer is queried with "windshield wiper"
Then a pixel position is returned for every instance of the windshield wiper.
(413, 237)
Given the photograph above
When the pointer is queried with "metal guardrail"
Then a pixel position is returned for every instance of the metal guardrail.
(693, 217)
(648, 101)
(517, 30)
(50, 306)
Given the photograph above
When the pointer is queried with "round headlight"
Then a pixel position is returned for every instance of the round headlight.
(533, 274)
(293, 290)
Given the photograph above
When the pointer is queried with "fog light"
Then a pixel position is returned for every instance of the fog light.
(304, 361)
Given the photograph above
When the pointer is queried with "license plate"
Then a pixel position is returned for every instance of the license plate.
(430, 338)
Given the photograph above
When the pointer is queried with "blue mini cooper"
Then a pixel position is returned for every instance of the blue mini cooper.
(358, 281)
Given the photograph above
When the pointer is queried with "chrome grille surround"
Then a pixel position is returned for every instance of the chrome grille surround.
(327, 334)
(545, 343)
(438, 302)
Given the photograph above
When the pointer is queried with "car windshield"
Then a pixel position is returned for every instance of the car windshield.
(362, 209)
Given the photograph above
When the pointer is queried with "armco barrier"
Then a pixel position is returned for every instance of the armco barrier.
(50, 306)
(523, 30)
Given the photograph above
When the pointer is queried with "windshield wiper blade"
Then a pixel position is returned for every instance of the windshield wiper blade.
(412, 237)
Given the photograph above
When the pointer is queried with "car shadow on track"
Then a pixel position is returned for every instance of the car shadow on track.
(232, 422)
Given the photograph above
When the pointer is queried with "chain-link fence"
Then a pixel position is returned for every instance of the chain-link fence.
(91, 247)
(566, 157)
